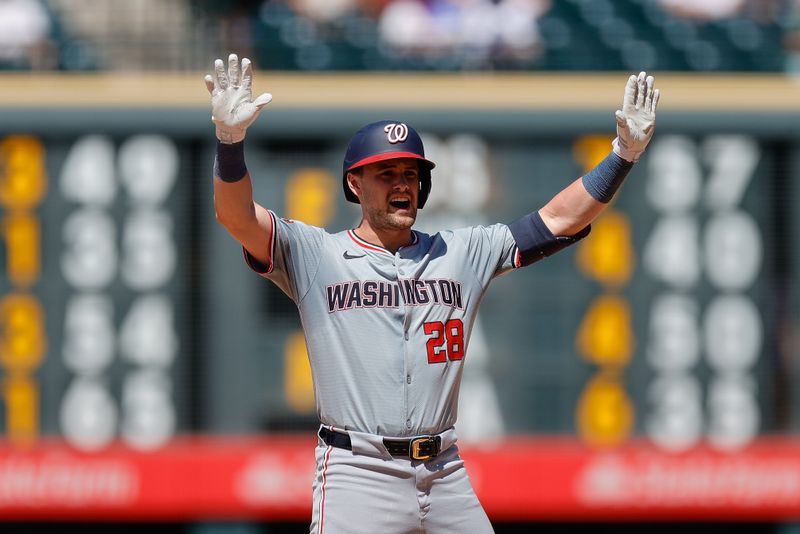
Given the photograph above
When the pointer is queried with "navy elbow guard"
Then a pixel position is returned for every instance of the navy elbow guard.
(604, 180)
(535, 241)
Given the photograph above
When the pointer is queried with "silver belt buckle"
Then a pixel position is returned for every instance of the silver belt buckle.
(415, 445)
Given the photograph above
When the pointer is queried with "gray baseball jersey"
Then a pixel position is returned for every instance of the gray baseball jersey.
(387, 332)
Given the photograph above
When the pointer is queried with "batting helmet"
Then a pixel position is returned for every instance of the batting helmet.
(384, 140)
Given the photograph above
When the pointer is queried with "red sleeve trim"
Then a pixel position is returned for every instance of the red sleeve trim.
(256, 265)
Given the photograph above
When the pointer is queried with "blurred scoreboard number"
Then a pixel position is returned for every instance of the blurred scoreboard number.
(113, 322)
(605, 413)
(23, 344)
(139, 250)
(703, 235)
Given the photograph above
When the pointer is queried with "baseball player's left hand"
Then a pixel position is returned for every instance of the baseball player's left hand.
(232, 106)
(637, 119)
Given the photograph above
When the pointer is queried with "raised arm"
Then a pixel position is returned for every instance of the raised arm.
(577, 205)
(566, 218)
(232, 111)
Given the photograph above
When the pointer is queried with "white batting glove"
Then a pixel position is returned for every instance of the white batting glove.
(232, 106)
(637, 119)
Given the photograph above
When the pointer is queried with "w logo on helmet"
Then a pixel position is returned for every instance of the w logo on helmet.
(396, 133)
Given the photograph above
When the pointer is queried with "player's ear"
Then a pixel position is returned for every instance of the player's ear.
(354, 183)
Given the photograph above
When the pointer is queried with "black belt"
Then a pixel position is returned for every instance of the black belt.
(419, 448)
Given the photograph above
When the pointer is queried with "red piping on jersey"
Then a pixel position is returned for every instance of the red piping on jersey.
(369, 246)
(272, 242)
(248, 258)
(324, 479)
(361, 243)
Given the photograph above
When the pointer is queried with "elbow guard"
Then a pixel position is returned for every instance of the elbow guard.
(535, 241)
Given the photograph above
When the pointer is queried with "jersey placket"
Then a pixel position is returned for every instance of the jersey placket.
(406, 338)
(407, 322)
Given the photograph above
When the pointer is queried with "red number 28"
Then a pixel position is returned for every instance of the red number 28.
(453, 332)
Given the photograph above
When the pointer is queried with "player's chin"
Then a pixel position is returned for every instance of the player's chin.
(403, 219)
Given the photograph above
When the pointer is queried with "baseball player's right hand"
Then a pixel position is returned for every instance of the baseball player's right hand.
(636, 120)
(232, 106)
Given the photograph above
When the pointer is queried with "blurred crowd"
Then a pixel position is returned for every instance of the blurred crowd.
(712, 35)
(25, 31)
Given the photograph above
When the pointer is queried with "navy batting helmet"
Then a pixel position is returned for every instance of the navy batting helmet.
(384, 140)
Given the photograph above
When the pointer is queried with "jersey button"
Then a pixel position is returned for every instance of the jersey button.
(408, 379)
(408, 423)
(406, 335)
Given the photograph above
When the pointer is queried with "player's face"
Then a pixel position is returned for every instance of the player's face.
(389, 192)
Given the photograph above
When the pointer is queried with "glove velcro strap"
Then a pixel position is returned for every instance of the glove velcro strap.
(229, 163)
(626, 153)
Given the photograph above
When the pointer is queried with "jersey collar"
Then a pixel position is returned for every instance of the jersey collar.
(369, 246)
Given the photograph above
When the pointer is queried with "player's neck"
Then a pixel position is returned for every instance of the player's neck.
(391, 240)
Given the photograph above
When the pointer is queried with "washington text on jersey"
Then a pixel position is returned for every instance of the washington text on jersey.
(383, 294)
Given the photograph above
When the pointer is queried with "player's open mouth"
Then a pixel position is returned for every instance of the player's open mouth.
(402, 204)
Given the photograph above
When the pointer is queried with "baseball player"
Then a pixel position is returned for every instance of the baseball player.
(387, 310)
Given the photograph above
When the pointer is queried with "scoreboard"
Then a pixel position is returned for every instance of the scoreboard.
(129, 322)
(93, 300)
